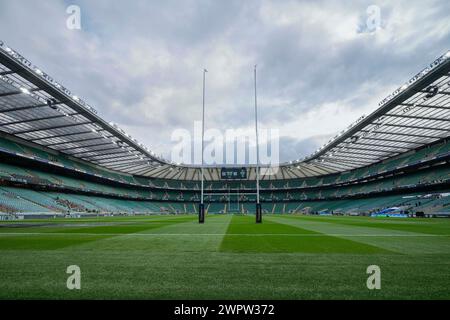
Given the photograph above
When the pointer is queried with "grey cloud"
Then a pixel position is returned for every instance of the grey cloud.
(293, 147)
(140, 62)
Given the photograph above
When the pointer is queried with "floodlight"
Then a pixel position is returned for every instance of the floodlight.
(25, 90)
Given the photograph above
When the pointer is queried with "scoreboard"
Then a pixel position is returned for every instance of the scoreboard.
(233, 173)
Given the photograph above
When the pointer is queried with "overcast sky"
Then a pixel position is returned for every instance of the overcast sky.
(321, 65)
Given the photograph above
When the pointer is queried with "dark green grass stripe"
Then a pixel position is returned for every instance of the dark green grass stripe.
(102, 219)
(247, 225)
(281, 243)
(441, 227)
(127, 228)
(74, 236)
(45, 242)
(93, 226)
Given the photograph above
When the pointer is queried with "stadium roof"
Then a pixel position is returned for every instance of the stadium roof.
(34, 107)
(416, 114)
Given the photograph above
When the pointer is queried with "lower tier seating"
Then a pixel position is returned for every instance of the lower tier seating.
(21, 201)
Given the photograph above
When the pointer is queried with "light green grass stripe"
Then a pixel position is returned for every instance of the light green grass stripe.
(428, 226)
(384, 238)
(167, 238)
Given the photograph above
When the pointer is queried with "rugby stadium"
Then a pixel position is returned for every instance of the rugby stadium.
(76, 189)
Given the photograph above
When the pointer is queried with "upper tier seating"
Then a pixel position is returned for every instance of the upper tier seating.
(428, 153)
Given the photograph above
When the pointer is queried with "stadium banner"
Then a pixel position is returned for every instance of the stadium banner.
(233, 174)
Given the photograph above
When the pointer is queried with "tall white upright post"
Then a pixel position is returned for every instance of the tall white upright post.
(201, 211)
(258, 204)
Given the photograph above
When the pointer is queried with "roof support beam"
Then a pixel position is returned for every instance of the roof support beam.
(312, 169)
(14, 93)
(170, 171)
(137, 168)
(282, 173)
(405, 134)
(76, 154)
(110, 160)
(415, 117)
(87, 146)
(354, 155)
(93, 158)
(36, 119)
(53, 127)
(424, 106)
(371, 150)
(295, 171)
(73, 141)
(65, 135)
(326, 169)
(129, 167)
(336, 166)
(157, 170)
(28, 107)
(410, 127)
(177, 175)
(192, 172)
(123, 163)
(308, 172)
(380, 145)
(354, 158)
(185, 174)
(142, 172)
(5, 73)
(350, 163)
(392, 140)
(138, 171)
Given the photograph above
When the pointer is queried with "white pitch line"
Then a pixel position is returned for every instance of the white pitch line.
(224, 234)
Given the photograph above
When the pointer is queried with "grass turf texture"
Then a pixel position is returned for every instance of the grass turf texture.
(229, 257)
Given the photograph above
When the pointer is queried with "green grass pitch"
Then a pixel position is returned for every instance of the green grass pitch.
(228, 257)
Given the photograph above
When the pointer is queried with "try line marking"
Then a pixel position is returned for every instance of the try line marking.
(223, 234)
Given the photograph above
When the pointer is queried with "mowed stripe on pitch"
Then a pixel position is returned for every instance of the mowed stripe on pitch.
(168, 239)
(387, 238)
(279, 242)
(429, 226)
(52, 238)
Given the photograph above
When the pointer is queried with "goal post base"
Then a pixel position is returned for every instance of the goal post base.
(258, 213)
(201, 213)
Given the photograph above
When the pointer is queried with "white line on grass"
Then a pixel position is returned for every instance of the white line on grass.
(224, 234)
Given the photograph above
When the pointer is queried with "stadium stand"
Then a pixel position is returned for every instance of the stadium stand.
(58, 157)
(25, 189)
